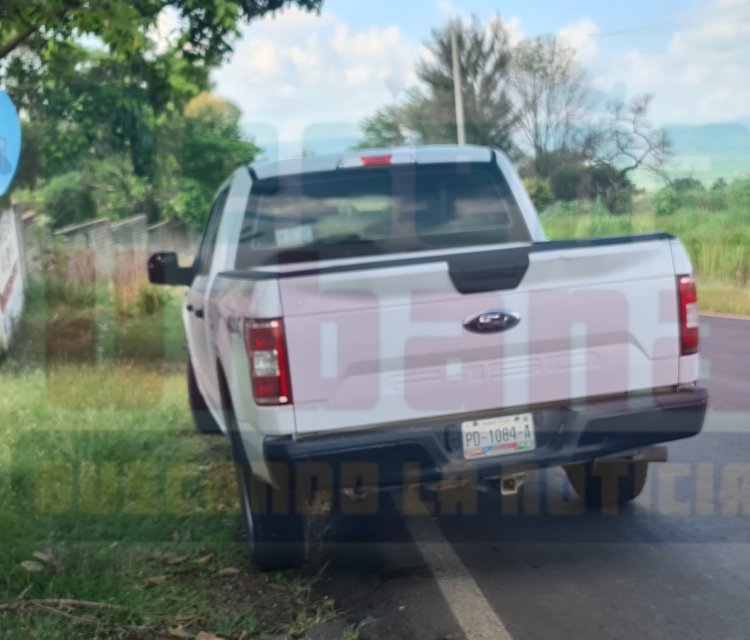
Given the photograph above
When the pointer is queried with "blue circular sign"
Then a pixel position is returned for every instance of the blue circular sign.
(10, 142)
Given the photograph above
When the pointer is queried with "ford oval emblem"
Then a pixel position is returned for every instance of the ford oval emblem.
(491, 322)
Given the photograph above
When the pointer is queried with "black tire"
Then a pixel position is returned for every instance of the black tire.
(204, 421)
(276, 532)
(606, 485)
(276, 527)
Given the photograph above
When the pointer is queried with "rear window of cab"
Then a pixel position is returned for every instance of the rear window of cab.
(378, 211)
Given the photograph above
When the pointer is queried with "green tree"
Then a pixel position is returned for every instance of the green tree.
(208, 145)
(621, 142)
(204, 31)
(540, 192)
(554, 100)
(428, 116)
(90, 103)
(385, 128)
(682, 185)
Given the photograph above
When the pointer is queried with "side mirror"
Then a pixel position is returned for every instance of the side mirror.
(163, 268)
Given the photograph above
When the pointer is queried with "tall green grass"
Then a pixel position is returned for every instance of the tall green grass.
(108, 494)
(718, 241)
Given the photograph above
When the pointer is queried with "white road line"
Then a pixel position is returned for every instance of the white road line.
(724, 316)
(474, 614)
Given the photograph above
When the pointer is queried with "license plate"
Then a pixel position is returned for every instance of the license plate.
(498, 436)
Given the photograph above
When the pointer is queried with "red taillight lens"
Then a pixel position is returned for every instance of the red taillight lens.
(377, 161)
(689, 329)
(269, 366)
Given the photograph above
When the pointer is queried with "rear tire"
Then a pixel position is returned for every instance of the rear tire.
(605, 485)
(276, 526)
(276, 532)
(204, 421)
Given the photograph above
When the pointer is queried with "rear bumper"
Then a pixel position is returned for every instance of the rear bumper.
(431, 451)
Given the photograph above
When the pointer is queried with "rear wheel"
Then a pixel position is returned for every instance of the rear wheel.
(276, 533)
(276, 526)
(608, 484)
(204, 421)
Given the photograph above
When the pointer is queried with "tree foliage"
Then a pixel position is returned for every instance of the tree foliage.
(208, 145)
(622, 142)
(125, 126)
(428, 116)
(553, 99)
(535, 101)
(110, 118)
(386, 128)
(204, 30)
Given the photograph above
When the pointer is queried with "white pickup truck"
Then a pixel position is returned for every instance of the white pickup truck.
(396, 317)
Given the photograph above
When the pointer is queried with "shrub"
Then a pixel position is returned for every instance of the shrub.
(666, 201)
(152, 299)
(684, 185)
(67, 200)
(540, 192)
(739, 193)
(566, 181)
(683, 194)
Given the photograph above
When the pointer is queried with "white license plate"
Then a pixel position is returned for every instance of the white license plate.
(498, 436)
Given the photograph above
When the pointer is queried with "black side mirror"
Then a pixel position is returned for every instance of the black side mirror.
(163, 268)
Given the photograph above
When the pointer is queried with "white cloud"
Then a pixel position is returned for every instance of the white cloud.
(703, 76)
(447, 10)
(167, 29)
(582, 36)
(298, 72)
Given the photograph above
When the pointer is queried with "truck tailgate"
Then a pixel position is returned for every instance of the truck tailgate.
(384, 340)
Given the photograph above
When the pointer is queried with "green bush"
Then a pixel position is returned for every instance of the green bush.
(667, 201)
(682, 194)
(566, 181)
(540, 192)
(739, 193)
(152, 299)
(67, 200)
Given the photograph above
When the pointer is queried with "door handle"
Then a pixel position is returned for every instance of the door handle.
(198, 312)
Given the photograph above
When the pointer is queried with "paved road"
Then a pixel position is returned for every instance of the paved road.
(675, 564)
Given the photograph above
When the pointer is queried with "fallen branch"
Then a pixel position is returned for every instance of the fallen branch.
(56, 607)
(97, 623)
(20, 603)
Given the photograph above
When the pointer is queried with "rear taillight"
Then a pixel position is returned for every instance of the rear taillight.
(269, 365)
(689, 330)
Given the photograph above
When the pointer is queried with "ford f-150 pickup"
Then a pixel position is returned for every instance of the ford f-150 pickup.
(397, 317)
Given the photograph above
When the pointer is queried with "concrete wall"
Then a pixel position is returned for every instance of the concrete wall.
(33, 243)
(94, 237)
(171, 236)
(12, 275)
(100, 249)
(130, 234)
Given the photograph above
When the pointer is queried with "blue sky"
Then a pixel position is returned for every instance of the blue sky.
(299, 76)
(624, 24)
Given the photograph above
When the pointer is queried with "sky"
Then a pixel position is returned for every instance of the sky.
(302, 78)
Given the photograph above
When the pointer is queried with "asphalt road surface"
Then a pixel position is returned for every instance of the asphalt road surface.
(673, 564)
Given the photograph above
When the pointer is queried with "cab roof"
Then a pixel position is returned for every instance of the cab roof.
(428, 154)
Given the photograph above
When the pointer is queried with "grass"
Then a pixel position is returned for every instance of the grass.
(718, 243)
(107, 494)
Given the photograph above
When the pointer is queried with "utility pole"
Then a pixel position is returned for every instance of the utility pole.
(457, 88)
